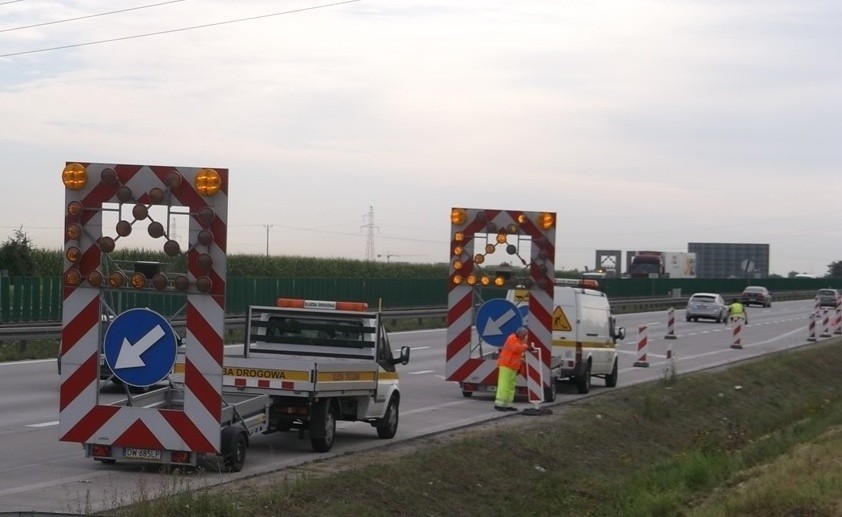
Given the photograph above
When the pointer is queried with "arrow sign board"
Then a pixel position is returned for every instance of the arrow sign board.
(140, 347)
(497, 319)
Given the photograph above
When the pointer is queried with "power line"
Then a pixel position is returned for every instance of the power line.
(88, 16)
(181, 29)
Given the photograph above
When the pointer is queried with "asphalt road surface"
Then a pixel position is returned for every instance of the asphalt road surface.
(39, 473)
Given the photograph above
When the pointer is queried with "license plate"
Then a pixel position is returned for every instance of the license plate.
(141, 454)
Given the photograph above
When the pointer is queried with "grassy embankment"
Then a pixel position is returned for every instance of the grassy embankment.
(763, 438)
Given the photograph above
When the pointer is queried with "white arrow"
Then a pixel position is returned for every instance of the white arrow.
(129, 356)
(492, 326)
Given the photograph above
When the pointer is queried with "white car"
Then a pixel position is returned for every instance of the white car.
(708, 306)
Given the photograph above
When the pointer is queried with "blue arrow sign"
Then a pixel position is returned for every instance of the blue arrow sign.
(524, 313)
(140, 347)
(497, 319)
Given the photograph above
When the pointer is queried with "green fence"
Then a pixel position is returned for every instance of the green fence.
(25, 299)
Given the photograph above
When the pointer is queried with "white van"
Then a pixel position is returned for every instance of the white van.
(584, 333)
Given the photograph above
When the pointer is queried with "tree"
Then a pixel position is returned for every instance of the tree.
(834, 269)
(16, 255)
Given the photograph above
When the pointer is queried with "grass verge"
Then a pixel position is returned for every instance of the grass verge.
(763, 438)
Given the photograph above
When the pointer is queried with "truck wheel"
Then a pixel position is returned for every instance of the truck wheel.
(583, 382)
(323, 426)
(611, 378)
(467, 394)
(551, 391)
(233, 449)
(388, 425)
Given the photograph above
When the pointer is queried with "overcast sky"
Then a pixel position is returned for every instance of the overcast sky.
(644, 125)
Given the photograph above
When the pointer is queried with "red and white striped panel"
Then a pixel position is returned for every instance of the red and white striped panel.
(82, 418)
(534, 377)
(459, 365)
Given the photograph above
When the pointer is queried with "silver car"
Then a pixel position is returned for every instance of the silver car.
(707, 305)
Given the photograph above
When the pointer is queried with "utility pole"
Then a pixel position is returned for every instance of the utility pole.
(267, 226)
(369, 246)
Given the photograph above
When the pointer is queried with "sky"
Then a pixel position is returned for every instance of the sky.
(644, 125)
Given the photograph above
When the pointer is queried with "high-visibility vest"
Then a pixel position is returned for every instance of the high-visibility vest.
(511, 356)
(736, 309)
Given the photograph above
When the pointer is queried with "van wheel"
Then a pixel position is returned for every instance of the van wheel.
(387, 426)
(551, 391)
(583, 382)
(323, 426)
(611, 378)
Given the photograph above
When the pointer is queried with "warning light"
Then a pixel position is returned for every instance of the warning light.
(501, 238)
(73, 277)
(180, 457)
(207, 182)
(458, 250)
(457, 265)
(74, 176)
(106, 244)
(511, 249)
(156, 195)
(140, 212)
(472, 280)
(205, 261)
(479, 259)
(489, 248)
(124, 228)
(73, 254)
(499, 281)
(74, 231)
(174, 180)
(138, 280)
(160, 281)
(108, 176)
(124, 194)
(459, 236)
(117, 279)
(172, 248)
(155, 230)
(485, 280)
(512, 228)
(458, 216)
(457, 279)
(74, 208)
(545, 220)
(181, 282)
(206, 215)
(205, 237)
(95, 278)
(204, 284)
(521, 218)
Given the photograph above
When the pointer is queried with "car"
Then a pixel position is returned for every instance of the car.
(708, 306)
(756, 294)
(827, 297)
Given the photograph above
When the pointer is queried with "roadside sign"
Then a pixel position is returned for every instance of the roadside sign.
(497, 319)
(140, 347)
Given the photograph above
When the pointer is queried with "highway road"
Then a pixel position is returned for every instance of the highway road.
(39, 473)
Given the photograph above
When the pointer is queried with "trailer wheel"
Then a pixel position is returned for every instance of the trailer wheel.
(467, 394)
(551, 391)
(583, 382)
(387, 426)
(323, 426)
(233, 449)
(611, 378)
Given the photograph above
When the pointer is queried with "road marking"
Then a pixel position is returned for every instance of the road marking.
(433, 408)
(45, 424)
(420, 348)
(422, 372)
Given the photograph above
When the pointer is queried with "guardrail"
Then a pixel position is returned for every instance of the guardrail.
(47, 331)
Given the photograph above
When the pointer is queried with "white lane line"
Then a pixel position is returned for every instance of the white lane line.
(433, 408)
(45, 424)
(33, 361)
(422, 372)
(420, 348)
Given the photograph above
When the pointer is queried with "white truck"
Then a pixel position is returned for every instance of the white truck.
(305, 364)
(584, 333)
(662, 264)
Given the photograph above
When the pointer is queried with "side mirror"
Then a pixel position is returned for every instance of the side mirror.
(620, 334)
(404, 357)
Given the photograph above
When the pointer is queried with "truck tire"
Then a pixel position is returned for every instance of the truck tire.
(467, 394)
(234, 446)
(611, 378)
(583, 382)
(551, 391)
(387, 426)
(323, 426)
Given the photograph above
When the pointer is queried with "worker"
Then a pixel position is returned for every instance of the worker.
(738, 311)
(508, 364)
